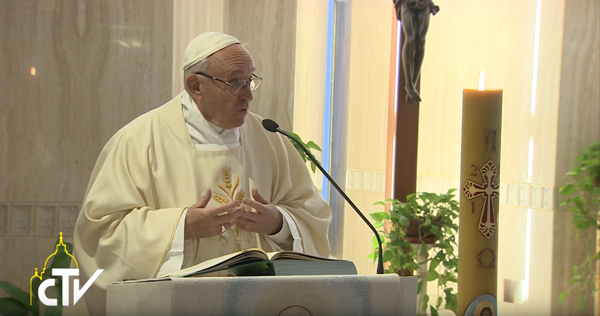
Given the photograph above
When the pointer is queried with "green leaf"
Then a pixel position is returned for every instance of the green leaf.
(433, 311)
(380, 216)
(35, 285)
(387, 255)
(302, 153)
(375, 242)
(432, 275)
(427, 222)
(433, 264)
(451, 302)
(581, 303)
(54, 310)
(395, 243)
(562, 297)
(567, 189)
(20, 296)
(406, 244)
(10, 306)
(404, 221)
(425, 301)
(452, 278)
(296, 136)
(60, 261)
(423, 248)
(313, 145)
(582, 224)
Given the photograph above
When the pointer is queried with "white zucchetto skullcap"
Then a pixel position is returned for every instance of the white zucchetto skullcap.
(205, 45)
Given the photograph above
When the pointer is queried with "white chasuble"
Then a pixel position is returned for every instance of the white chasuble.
(149, 172)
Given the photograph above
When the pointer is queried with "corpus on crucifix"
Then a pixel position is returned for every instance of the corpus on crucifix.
(414, 15)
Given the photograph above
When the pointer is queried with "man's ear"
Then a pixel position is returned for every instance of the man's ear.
(192, 83)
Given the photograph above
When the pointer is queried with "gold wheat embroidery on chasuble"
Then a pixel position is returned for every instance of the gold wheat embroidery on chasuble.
(229, 191)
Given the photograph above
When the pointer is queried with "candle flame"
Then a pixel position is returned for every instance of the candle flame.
(481, 80)
(32, 71)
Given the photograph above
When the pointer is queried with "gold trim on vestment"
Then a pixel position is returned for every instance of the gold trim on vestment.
(162, 260)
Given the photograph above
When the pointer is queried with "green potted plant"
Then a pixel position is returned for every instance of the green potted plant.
(426, 220)
(19, 302)
(582, 197)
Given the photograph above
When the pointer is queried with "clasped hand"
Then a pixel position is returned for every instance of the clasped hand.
(202, 221)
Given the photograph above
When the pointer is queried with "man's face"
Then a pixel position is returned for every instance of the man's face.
(216, 103)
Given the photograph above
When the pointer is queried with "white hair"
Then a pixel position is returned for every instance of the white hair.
(200, 66)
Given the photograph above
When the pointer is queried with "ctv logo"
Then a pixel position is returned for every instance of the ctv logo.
(65, 274)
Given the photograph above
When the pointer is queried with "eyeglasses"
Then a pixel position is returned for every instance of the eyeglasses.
(237, 85)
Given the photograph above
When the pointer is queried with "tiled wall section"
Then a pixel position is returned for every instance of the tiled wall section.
(522, 195)
(4, 219)
(38, 219)
(365, 180)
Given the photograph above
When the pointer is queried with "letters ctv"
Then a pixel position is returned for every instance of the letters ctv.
(58, 269)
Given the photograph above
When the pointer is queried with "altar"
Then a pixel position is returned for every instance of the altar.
(386, 294)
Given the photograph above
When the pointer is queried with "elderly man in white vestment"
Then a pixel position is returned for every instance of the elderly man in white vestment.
(195, 179)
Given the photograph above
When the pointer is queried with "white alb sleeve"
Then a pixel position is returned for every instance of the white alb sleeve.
(288, 228)
(174, 257)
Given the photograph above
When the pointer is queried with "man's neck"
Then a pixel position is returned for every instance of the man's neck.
(204, 132)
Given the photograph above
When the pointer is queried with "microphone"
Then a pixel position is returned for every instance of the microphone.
(271, 126)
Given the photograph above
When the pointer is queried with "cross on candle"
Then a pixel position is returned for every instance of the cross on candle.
(489, 190)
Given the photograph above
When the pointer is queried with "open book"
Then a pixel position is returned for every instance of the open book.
(256, 262)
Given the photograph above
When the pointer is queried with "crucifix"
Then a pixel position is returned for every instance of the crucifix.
(415, 17)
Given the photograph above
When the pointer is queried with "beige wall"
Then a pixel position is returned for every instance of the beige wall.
(191, 17)
(267, 28)
(309, 80)
(578, 126)
(371, 26)
(97, 66)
